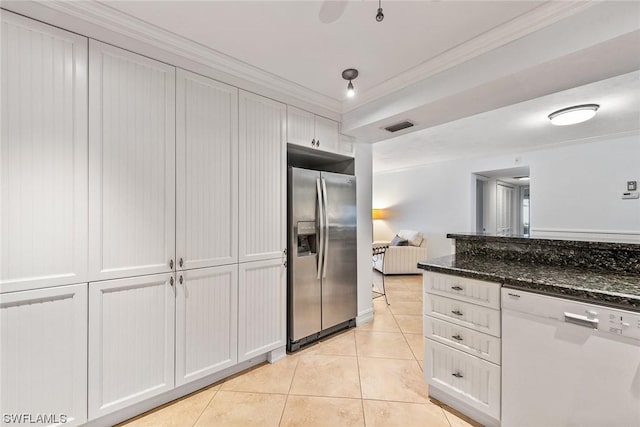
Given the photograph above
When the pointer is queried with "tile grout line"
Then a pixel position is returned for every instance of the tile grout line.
(364, 416)
(207, 405)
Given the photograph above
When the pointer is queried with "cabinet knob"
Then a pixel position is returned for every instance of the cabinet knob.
(457, 337)
(180, 279)
(171, 264)
(180, 262)
(457, 288)
(457, 375)
(456, 312)
(171, 281)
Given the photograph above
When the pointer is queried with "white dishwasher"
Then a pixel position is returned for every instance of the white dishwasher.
(567, 363)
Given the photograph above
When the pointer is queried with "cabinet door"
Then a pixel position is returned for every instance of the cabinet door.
(469, 379)
(43, 353)
(206, 322)
(300, 127)
(207, 172)
(262, 180)
(131, 341)
(262, 303)
(131, 164)
(43, 156)
(326, 134)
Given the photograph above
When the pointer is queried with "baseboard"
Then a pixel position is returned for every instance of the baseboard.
(458, 405)
(142, 407)
(278, 354)
(365, 316)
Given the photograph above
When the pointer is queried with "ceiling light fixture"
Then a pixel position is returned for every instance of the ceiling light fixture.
(522, 178)
(573, 115)
(350, 74)
(379, 15)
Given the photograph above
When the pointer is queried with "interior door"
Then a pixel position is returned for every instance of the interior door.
(505, 197)
(339, 275)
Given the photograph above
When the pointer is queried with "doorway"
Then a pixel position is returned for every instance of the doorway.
(503, 204)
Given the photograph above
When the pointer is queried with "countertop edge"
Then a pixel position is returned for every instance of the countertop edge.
(581, 295)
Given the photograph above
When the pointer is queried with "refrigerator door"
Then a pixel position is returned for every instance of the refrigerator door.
(339, 287)
(304, 286)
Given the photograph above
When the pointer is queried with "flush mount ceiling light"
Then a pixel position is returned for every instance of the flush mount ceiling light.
(521, 178)
(350, 74)
(573, 115)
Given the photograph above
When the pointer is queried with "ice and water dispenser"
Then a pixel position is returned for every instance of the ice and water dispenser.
(306, 238)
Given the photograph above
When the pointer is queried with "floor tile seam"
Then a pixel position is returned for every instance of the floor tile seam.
(295, 369)
(388, 357)
(250, 392)
(406, 340)
(206, 406)
(284, 408)
(323, 395)
(401, 401)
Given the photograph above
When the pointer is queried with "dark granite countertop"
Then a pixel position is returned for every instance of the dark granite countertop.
(613, 289)
(525, 239)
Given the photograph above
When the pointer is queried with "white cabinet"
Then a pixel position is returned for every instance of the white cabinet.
(472, 380)
(131, 164)
(43, 353)
(131, 341)
(262, 178)
(262, 303)
(309, 130)
(462, 344)
(43, 156)
(207, 172)
(206, 322)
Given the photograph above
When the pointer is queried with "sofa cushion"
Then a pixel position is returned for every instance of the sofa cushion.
(414, 237)
(399, 241)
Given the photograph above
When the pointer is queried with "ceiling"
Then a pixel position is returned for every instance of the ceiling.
(519, 127)
(477, 77)
(311, 42)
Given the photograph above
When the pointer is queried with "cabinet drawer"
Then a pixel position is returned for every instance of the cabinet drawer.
(474, 291)
(461, 313)
(473, 342)
(468, 378)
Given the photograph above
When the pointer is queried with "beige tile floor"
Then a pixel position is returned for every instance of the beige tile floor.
(368, 376)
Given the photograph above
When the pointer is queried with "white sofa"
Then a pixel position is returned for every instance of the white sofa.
(401, 259)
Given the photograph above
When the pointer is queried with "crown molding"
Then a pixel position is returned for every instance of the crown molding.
(122, 23)
(540, 17)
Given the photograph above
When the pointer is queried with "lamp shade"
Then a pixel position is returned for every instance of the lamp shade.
(378, 214)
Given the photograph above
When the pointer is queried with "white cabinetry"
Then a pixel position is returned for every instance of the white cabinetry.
(43, 156)
(262, 183)
(207, 172)
(43, 353)
(131, 164)
(262, 301)
(206, 322)
(131, 341)
(309, 130)
(462, 344)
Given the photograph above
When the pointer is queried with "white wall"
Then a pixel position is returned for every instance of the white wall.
(575, 193)
(363, 200)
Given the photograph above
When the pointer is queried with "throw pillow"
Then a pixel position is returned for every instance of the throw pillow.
(414, 237)
(399, 241)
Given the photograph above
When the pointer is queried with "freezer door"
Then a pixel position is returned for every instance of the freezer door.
(304, 290)
(339, 278)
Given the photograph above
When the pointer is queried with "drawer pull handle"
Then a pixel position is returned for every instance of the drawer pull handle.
(457, 375)
(457, 288)
(457, 337)
(457, 312)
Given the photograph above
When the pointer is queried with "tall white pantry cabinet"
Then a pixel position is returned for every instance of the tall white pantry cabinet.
(143, 225)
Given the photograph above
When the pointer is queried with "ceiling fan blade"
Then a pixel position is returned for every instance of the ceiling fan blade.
(331, 10)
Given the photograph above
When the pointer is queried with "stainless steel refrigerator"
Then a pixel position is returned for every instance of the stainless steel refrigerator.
(322, 288)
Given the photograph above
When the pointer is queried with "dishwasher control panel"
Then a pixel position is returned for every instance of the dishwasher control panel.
(604, 319)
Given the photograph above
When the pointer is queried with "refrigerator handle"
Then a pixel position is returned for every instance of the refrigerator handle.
(326, 232)
(321, 216)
